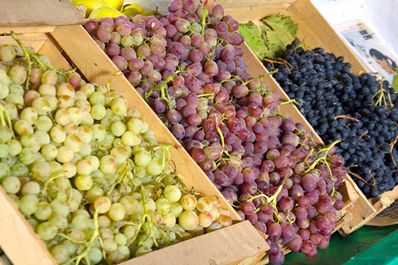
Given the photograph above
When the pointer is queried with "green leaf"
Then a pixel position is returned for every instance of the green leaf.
(394, 83)
(254, 38)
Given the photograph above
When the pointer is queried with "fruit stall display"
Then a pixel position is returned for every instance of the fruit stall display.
(349, 99)
(189, 67)
(85, 175)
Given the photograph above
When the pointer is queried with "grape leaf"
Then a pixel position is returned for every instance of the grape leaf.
(394, 83)
(255, 38)
(271, 37)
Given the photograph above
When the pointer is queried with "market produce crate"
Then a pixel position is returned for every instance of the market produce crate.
(70, 46)
(314, 31)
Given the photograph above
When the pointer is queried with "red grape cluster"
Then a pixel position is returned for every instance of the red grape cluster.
(189, 67)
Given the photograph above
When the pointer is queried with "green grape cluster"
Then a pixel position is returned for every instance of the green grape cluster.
(86, 171)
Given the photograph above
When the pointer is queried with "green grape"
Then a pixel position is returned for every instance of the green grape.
(46, 231)
(33, 222)
(104, 221)
(131, 205)
(42, 105)
(94, 255)
(4, 170)
(59, 207)
(205, 219)
(4, 91)
(11, 185)
(109, 245)
(116, 212)
(108, 164)
(49, 77)
(3, 150)
(41, 170)
(28, 140)
(204, 204)
(42, 137)
(97, 98)
(69, 170)
(80, 222)
(120, 239)
(64, 154)
(43, 211)
(27, 156)
(142, 158)
(14, 147)
(84, 182)
(18, 170)
(176, 209)
(155, 167)
(58, 134)
(23, 127)
(129, 231)
(130, 139)
(93, 193)
(75, 199)
(121, 153)
(163, 206)
(70, 247)
(172, 193)
(99, 132)
(119, 107)
(47, 90)
(136, 126)
(31, 187)
(169, 220)
(28, 204)
(188, 220)
(188, 202)
(60, 253)
(106, 233)
(73, 142)
(7, 54)
(44, 123)
(15, 99)
(85, 149)
(102, 204)
(85, 134)
(88, 89)
(118, 128)
(127, 41)
(98, 112)
(49, 152)
(59, 221)
(5, 134)
(149, 205)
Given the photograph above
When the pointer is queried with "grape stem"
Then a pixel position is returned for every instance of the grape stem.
(392, 144)
(162, 88)
(348, 117)
(381, 100)
(89, 245)
(324, 152)
(294, 101)
(27, 57)
(362, 179)
(5, 119)
(125, 169)
(204, 18)
(111, 78)
(54, 175)
(166, 153)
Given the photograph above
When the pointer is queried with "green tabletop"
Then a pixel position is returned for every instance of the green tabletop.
(356, 249)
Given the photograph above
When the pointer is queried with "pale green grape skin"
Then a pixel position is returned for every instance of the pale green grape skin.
(60, 253)
(172, 193)
(116, 212)
(14, 147)
(3, 150)
(84, 182)
(188, 220)
(28, 204)
(43, 211)
(120, 239)
(27, 156)
(142, 158)
(98, 112)
(18, 170)
(11, 185)
(94, 255)
(4, 170)
(46, 231)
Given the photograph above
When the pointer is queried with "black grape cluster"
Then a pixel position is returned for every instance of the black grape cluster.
(189, 67)
(360, 110)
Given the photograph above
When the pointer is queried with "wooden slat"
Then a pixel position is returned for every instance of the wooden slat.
(228, 246)
(34, 40)
(38, 13)
(17, 239)
(53, 52)
(27, 29)
(97, 67)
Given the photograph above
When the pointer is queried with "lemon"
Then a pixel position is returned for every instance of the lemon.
(135, 9)
(105, 11)
(90, 4)
(116, 4)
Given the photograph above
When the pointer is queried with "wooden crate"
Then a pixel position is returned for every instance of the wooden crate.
(68, 46)
(314, 31)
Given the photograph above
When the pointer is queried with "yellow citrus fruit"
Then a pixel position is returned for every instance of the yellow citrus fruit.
(116, 4)
(105, 11)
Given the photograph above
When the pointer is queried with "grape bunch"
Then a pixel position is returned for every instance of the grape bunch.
(86, 171)
(189, 67)
(361, 111)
